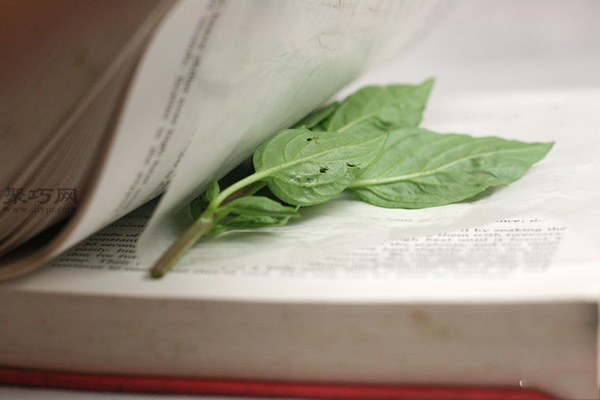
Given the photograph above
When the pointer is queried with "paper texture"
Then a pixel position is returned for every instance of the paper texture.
(533, 240)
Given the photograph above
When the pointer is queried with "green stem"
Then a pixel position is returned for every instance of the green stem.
(244, 187)
(203, 225)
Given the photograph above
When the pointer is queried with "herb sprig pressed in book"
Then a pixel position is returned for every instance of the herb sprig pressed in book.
(369, 144)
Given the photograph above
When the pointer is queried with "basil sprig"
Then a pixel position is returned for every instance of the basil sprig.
(369, 144)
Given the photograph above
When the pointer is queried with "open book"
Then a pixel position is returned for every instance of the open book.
(501, 291)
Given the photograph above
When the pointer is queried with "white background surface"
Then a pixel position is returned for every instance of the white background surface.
(477, 47)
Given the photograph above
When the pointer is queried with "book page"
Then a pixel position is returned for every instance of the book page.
(156, 122)
(534, 240)
(221, 76)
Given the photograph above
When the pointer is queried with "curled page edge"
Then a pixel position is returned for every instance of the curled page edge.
(266, 66)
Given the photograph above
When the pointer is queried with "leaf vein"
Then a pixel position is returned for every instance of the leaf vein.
(383, 181)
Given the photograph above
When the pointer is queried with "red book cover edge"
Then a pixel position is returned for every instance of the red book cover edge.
(252, 388)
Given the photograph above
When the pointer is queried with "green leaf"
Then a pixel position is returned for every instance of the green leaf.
(305, 168)
(259, 206)
(250, 222)
(318, 118)
(377, 109)
(420, 168)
